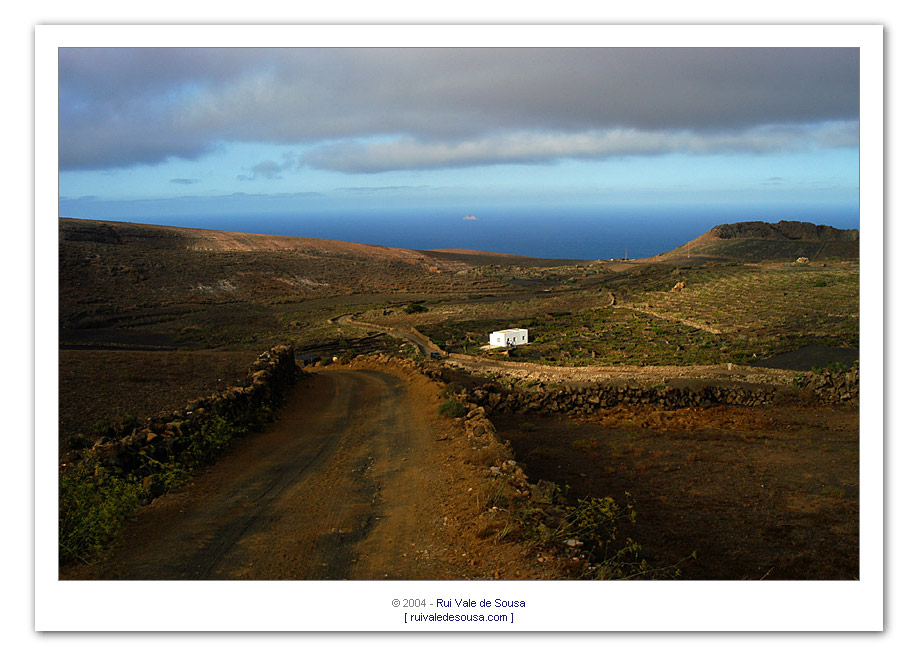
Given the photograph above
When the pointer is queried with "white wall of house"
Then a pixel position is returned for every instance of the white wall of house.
(502, 338)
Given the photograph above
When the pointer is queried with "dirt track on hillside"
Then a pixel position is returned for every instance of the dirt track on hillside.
(358, 479)
(297, 502)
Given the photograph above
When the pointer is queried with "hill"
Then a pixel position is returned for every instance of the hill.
(141, 306)
(482, 258)
(146, 286)
(138, 264)
(149, 236)
(756, 241)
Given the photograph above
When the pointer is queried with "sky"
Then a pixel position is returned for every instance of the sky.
(156, 133)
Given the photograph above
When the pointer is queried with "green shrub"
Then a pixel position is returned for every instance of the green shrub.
(451, 389)
(452, 409)
(594, 523)
(115, 427)
(415, 307)
(208, 442)
(831, 366)
(93, 503)
(77, 442)
(348, 356)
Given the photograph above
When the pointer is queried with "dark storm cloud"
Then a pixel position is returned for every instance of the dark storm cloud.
(266, 169)
(269, 169)
(125, 107)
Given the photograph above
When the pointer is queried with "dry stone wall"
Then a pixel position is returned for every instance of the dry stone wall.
(495, 455)
(568, 399)
(832, 387)
(161, 436)
(827, 388)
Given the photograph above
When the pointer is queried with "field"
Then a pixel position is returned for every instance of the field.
(738, 313)
(767, 493)
(98, 388)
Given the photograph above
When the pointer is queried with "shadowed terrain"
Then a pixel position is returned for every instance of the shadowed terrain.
(153, 316)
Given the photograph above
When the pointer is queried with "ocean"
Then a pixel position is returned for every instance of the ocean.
(588, 233)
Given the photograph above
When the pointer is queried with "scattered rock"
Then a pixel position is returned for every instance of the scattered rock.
(544, 492)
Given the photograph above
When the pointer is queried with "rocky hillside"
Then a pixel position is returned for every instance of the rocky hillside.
(124, 263)
(784, 231)
(162, 287)
(768, 241)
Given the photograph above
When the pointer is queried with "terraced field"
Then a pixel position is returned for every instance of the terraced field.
(737, 313)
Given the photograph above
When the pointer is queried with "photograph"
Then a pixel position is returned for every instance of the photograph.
(586, 313)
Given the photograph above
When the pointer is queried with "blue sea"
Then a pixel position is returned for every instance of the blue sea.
(579, 233)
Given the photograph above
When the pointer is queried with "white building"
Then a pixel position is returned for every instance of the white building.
(508, 338)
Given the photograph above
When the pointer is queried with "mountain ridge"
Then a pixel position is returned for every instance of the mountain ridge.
(758, 240)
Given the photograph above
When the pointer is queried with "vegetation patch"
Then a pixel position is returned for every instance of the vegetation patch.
(452, 409)
(592, 527)
(768, 309)
(93, 502)
(95, 498)
(724, 313)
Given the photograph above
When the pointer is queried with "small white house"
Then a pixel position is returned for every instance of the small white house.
(508, 338)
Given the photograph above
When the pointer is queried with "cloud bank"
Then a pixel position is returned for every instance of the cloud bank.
(529, 148)
(354, 109)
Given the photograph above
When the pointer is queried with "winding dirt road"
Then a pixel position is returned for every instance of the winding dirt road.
(335, 489)
(548, 373)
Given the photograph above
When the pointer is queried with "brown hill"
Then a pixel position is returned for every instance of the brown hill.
(151, 236)
(755, 241)
(114, 274)
(482, 258)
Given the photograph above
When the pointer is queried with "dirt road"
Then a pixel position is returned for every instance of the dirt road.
(335, 489)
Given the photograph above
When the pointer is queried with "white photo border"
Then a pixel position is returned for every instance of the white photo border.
(550, 606)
